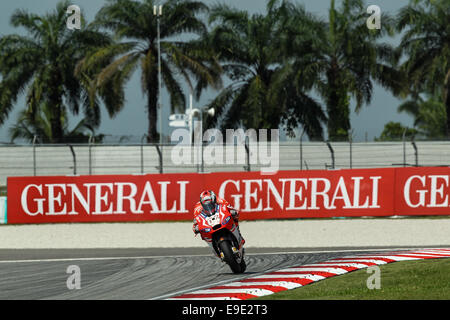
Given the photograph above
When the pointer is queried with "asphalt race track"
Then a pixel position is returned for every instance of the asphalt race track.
(30, 274)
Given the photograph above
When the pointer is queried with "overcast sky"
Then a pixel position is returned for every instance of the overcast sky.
(133, 119)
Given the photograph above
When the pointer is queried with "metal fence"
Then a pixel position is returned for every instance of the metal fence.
(87, 159)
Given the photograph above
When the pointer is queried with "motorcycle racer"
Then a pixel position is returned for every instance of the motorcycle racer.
(208, 205)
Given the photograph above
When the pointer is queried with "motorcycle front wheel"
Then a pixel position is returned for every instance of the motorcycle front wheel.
(230, 258)
(243, 265)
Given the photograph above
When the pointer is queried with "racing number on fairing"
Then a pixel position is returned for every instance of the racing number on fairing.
(213, 220)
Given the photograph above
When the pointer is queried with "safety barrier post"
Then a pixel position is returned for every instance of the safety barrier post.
(350, 140)
(142, 153)
(416, 154)
(74, 159)
(247, 150)
(404, 147)
(34, 155)
(301, 149)
(160, 157)
(332, 155)
(203, 163)
(91, 138)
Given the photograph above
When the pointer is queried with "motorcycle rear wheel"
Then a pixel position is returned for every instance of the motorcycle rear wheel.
(230, 259)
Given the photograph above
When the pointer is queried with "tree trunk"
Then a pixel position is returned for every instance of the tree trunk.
(56, 125)
(338, 108)
(56, 105)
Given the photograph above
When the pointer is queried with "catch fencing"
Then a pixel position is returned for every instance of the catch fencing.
(143, 158)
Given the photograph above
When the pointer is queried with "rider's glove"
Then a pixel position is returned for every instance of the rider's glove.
(195, 227)
(234, 214)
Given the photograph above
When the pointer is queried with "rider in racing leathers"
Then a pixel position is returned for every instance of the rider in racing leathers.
(207, 205)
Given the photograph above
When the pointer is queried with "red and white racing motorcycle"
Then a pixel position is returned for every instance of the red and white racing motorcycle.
(223, 233)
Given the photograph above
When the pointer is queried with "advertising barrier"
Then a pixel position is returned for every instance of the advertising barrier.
(286, 194)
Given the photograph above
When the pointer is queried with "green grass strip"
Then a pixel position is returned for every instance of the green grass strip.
(407, 280)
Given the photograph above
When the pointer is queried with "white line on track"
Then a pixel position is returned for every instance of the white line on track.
(177, 293)
(284, 284)
(314, 269)
(198, 255)
(255, 291)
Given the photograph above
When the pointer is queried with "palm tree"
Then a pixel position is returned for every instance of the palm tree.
(342, 60)
(41, 64)
(261, 94)
(135, 27)
(426, 42)
(29, 126)
(429, 116)
(395, 131)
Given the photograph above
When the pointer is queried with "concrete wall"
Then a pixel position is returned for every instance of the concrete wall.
(330, 233)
